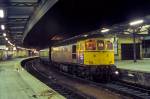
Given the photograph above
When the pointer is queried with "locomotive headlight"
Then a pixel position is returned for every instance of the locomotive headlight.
(116, 72)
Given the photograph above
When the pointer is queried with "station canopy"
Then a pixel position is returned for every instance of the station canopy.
(16, 17)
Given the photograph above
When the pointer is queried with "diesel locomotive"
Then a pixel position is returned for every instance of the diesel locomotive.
(91, 58)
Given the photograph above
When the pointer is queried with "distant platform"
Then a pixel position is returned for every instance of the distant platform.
(16, 83)
(141, 65)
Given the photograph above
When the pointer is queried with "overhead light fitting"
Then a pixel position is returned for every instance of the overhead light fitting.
(6, 48)
(6, 39)
(105, 30)
(3, 27)
(4, 34)
(137, 22)
(14, 48)
(1, 13)
(85, 35)
(9, 42)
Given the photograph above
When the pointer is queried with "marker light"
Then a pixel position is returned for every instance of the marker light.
(1, 13)
(104, 30)
(137, 22)
(4, 34)
(116, 72)
(3, 27)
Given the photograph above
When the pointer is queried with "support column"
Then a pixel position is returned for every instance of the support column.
(134, 47)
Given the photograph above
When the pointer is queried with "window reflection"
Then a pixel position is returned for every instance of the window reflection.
(100, 45)
(109, 45)
(90, 45)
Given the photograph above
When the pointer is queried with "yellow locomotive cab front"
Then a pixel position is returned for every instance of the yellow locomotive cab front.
(96, 52)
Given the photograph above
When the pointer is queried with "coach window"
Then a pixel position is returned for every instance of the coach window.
(73, 48)
(109, 45)
(73, 51)
(90, 44)
(100, 45)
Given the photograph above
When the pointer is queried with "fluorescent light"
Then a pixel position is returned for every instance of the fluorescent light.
(6, 48)
(4, 34)
(104, 30)
(3, 27)
(14, 48)
(137, 22)
(1, 13)
(126, 33)
(85, 35)
(9, 42)
(143, 32)
(6, 38)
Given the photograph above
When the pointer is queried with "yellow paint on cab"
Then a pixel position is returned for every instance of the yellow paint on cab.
(98, 57)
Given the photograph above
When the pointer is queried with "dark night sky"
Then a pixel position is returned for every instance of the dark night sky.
(102, 12)
(73, 17)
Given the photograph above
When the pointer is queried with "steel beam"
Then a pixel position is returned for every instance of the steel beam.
(37, 15)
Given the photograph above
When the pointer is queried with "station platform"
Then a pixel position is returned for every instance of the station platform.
(141, 65)
(17, 83)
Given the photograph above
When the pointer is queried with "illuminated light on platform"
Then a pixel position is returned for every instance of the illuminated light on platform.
(3, 27)
(20, 47)
(6, 39)
(9, 42)
(116, 72)
(105, 30)
(126, 33)
(56, 49)
(4, 34)
(131, 75)
(14, 48)
(137, 22)
(35, 51)
(6, 48)
(143, 32)
(85, 35)
(1, 13)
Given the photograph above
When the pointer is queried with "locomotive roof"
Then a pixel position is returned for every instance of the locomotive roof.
(78, 38)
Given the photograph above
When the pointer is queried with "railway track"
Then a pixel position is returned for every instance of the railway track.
(115, 86)
(64, 90)
(136, 92)
(120, 87)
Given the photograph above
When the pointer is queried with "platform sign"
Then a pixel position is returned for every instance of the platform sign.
(2, 47)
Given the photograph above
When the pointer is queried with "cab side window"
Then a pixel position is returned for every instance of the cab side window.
(90, 45)
(100, 45)
(73, 51)
(109, 45)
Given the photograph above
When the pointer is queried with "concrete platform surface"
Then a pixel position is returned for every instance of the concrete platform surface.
(140, 65)
(19, 84)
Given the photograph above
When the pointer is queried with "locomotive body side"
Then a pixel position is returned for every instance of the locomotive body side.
(63, 54)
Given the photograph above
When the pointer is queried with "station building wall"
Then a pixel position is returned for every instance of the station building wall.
(127, 41)
(146, 48)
